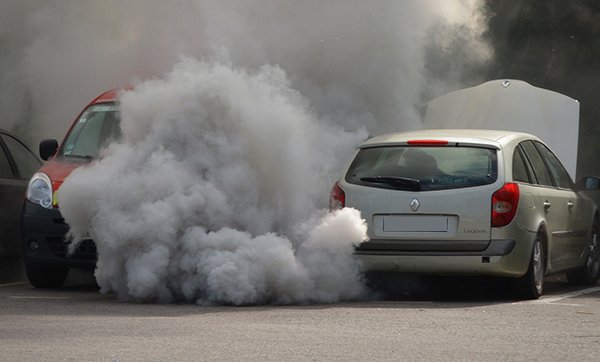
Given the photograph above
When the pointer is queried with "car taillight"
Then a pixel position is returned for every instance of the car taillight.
(504, 204)
(337, 198)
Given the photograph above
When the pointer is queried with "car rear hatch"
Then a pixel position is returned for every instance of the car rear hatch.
(424, 196)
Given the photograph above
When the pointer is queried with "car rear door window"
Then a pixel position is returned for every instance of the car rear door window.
(27, 163)
(558, 172)
(537, 163)
(520, 172)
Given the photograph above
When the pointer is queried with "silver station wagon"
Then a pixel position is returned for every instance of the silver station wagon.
(471, 202)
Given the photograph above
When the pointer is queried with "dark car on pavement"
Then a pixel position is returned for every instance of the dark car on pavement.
(17, 165)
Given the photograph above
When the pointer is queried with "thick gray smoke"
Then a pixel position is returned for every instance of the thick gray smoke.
(359, 63)
(216, 165)
(216, 192)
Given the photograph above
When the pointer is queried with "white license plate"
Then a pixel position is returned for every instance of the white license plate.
(414, 223)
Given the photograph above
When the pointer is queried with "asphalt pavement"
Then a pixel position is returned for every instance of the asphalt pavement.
(427, 319)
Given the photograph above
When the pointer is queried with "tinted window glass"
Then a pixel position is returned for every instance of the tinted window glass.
(423, 168)
(27, 163)
(532, 176)
(5, 170)
(539, 168)
(561, 176)
(519, 169)
(97, 126)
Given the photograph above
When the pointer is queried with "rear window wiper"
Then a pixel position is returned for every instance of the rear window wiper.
(404, 182)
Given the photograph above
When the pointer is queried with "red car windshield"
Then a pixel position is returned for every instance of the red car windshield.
(95, 129)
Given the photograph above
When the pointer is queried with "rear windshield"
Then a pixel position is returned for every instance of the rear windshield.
(97, 126)
(423, 168)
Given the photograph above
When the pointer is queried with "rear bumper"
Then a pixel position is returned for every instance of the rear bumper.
(500, 258)
(47, 229)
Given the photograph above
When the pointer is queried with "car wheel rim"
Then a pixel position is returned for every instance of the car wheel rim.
(593, 261)
(538, 266)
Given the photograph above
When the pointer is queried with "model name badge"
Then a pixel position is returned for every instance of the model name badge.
(475, 231)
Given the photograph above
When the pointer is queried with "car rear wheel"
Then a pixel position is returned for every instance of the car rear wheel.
(41, 276)
(531, 285)
(589, 272)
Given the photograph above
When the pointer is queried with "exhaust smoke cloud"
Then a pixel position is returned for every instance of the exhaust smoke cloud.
(216, 192)
(212, 192)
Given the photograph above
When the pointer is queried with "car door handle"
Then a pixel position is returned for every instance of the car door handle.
(570, 205)
(547, 205)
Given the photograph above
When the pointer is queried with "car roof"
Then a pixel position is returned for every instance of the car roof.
(108, 96)
(3, 131)
(493, 138)
(7, 133)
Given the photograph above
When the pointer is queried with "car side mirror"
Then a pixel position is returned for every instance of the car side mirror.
(588, 183)
(48, 148)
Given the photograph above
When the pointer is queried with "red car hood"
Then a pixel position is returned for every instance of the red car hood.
(59, 168)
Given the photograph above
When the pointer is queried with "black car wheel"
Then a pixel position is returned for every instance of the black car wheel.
(589, 272)
(531, 285)
(41, 276)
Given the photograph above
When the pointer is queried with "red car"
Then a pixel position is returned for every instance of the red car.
(45, 248)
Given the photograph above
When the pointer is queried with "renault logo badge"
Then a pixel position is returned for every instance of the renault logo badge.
(414, 204)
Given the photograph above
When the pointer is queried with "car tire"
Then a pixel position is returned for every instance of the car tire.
(41, 276)
(531, 285)
(589, 272)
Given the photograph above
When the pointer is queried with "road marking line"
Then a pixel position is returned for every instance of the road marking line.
(12, 284)
(34, 297)
(567, 304)
(576, 293)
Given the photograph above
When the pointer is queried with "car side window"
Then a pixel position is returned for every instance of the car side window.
(561, 176)
(27, 163)
(537, 163)
(5, 170)
(520, 172)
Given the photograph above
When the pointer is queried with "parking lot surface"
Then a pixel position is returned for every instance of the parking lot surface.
(429, 320)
